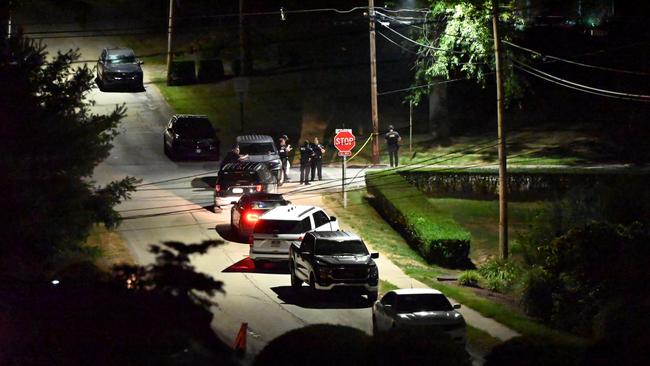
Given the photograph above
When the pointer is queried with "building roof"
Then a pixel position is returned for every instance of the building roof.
(254, 138)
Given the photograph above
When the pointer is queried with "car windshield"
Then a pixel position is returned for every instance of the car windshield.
(243, 178)
(333, 247)
(266, 205)
(282, 226)
(193, 128)
(121, 58)
(256, 149)
(422, 302)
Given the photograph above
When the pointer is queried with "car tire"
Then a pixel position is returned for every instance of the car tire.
(312, 286)
(296, 283)
(372, 297)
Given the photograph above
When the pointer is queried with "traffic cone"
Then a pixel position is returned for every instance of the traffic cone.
(240, 341)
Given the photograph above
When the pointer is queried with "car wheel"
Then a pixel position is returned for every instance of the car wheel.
(312, 286)
(372, 297)
(296, 283)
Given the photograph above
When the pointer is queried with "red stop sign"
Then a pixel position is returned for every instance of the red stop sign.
(344, 140)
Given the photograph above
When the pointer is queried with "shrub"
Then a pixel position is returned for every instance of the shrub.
(528, 351)
(535, 293)
(470, 278)
(436, 236)
(499, 275)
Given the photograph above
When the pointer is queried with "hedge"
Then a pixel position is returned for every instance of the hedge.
(436, 236)
(523, 184)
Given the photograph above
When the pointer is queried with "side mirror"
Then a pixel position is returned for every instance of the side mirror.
(374, 255)
(456, 306)
(332, 218)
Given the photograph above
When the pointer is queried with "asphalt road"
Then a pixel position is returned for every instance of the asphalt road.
(173, 204)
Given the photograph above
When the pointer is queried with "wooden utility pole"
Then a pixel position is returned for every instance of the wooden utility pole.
(373, 84)
(170, 30)
(242, 49)
(501, 135)
(9, 20)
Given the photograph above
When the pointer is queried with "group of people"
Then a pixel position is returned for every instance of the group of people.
(311, 155)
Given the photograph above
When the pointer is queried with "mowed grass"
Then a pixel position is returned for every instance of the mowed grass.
(383, 238)
(481, 219)
(111, 247)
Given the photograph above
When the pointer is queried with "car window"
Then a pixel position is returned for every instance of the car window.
(333, 247)
(256, 148)
(242, 178)
(320, 218)
(282, 226)
(121, 58)
(266, 205)
(389, 299)
(422, 302)
(194, 128)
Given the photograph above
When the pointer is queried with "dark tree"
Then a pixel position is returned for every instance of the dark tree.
(50, 142)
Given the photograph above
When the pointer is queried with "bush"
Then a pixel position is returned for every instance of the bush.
(536, 293)
(182, 73)
(416, 346)
(318, 345)
(499, 275)
(436, 236)
(528, 351)
(470, 278)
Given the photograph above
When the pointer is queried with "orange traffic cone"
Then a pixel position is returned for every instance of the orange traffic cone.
(240, 341)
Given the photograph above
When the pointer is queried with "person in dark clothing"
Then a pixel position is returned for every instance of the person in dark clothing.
(283, 151)
(392, 140)
(306, 154)
(233, 156)
(317, 160)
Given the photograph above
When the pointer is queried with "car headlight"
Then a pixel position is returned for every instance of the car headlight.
(324, 272)
(374, 272)
(275, 163)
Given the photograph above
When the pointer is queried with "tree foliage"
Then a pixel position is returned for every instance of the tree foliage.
(458, 43)
(50, 142)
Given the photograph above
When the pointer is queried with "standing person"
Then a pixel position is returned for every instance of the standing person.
(306, 154)
(392, 140)
(317, 160)
(284, 155)
(233, 156)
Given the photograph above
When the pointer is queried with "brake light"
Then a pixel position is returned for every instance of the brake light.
(217, 188)
(258, 188)
(251, 217)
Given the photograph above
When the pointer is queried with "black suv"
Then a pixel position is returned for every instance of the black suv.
(119, 67)
(327, 260)
(261, 149)
(189, 135)
(237, 179)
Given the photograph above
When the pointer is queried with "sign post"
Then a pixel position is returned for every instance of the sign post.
(344, 142)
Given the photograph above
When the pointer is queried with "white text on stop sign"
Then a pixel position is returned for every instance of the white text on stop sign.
(344, 140)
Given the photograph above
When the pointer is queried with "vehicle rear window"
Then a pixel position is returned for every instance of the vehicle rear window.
(194, 128)
(121, 58)
(333, 247)
(256, 149)
(422, 302)
(282, 226)
(238, 178)
(266, 205)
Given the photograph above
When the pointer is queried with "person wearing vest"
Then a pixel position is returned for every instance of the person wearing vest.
(306, 154)
(283, 152)
(317, 160)
(392, 141)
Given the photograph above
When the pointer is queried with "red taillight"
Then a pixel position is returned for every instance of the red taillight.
(258, 188)
(251, 217)
(217, 188)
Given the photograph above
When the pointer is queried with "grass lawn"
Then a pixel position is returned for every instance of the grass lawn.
(481, 219)
(378, 234)
(111, 247)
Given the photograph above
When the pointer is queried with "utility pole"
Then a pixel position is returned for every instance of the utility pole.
(170, 30)
(373, 84)
(9, 20)
(503, 178)
(242, 50)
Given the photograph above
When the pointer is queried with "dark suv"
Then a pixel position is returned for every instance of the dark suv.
(328, 260)
(190, 136)
(119, 67)
(237, 179)
(261, 149)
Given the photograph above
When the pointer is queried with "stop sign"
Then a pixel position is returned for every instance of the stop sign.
(344, 140)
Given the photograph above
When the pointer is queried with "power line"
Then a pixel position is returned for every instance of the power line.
(397, 44)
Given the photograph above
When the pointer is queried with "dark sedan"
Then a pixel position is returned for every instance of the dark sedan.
(190, 136)
(118, 67)
(249, 208)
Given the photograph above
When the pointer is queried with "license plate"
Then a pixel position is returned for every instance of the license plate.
(237, 190)
(198, 151)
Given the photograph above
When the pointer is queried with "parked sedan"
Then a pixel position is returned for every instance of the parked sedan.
(418, 307)
(245, 213)
(118, 67)
(190, 136)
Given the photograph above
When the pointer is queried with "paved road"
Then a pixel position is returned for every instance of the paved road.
(173, 203)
